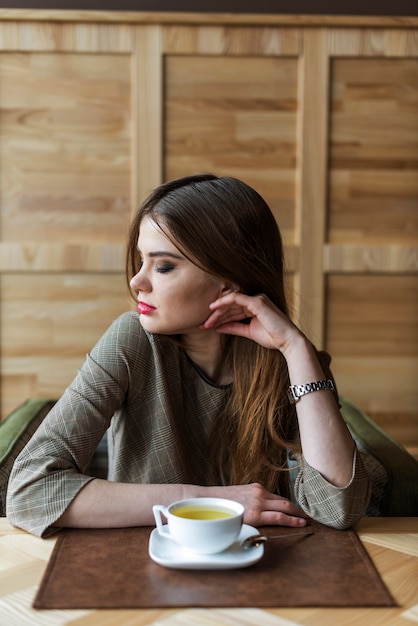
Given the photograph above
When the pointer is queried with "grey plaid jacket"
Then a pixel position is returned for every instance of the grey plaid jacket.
(159, 410)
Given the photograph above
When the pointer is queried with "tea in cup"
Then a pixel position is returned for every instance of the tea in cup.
(204, 525)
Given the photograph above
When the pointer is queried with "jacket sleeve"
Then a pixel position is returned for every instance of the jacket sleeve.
(339, 507)
(49, 472)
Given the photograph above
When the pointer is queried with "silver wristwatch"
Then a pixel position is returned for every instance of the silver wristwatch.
(297, 391)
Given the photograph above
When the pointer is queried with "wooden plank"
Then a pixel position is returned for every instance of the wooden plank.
(311, 205)
(383, 386)
(161, 17)
(61, 257)
(401, 425)
(373, 315)
(380, 259)
(229, 40)
(52, 36)
(147, 106)
(372, 42)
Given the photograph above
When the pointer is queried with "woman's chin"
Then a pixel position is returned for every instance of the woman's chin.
(157, 327)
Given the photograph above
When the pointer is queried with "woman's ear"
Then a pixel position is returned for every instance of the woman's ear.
(228, 288)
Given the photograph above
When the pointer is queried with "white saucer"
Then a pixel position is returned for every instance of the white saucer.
(167, 552)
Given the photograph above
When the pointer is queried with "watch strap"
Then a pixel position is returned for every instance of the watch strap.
(295, 392)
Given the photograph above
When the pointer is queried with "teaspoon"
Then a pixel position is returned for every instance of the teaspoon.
(256, 540)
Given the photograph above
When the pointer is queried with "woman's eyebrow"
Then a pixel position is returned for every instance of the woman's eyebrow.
(163, 253)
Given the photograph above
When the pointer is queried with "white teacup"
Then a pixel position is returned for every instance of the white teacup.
(204, 525)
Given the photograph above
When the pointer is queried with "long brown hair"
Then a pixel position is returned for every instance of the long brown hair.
(228, 228)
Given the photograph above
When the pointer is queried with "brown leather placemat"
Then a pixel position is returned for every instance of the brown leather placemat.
(111, 568)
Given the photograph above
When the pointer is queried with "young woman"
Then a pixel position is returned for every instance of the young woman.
(194, 387)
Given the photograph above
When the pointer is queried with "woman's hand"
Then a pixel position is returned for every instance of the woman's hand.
(263, 508)
(267, 325)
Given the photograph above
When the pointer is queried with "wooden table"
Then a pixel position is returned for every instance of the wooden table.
(391, 542)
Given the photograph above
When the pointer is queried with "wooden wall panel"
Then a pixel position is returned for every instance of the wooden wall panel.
(374, 151)
(320, 116)
(373, 316)
(235, 116)
(65, 147)
(372, 333)
(65, 154)
(48, 323)
(371, 254)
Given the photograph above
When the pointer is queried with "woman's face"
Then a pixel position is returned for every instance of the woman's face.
(173, 293)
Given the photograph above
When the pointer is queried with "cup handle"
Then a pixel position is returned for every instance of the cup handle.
(157, 509)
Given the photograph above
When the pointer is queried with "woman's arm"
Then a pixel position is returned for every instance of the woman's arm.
(50, 471)
(326, 441)
(47, 490)
(105, 504)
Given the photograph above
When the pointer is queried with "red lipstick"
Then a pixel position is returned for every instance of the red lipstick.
(145, 309)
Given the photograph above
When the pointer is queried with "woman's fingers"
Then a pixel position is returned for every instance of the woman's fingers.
(274, 518)
(275, 514)
(234, 308)
(263, 508)
(253, 317)
(225, 310)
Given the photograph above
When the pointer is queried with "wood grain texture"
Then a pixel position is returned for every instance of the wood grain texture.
(372, 42)
(313, 155)
(147, 106)
(64, 121)
(373, 315)
(372, 254)
(52, 36)
(64, 182)
(48, 323)
(318, 114)
(374, 151)
(372, 334)
(234, 41)
(237, 117)
(147, 17)
(377, 259)
(61, 257)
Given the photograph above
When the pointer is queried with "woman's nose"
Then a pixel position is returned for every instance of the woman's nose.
(132, 282)
(139, 282)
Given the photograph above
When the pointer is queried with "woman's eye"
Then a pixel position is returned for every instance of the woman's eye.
(163, 269)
